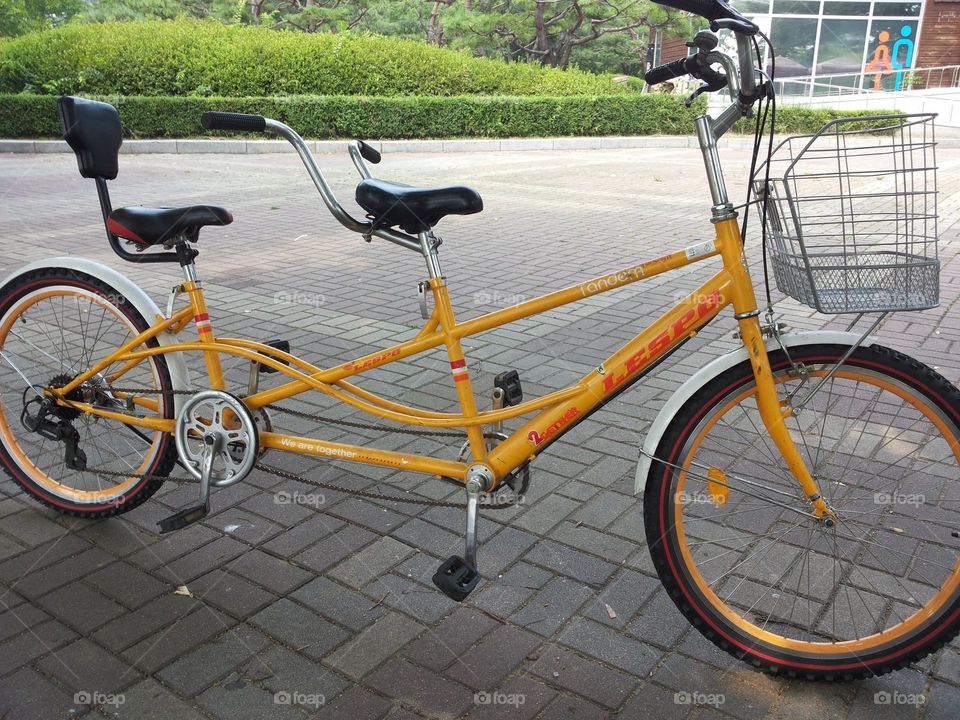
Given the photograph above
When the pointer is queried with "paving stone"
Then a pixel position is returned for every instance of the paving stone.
(521, 697)
(488, 662)
(374, 645)
(156, 651)
(27, 695)
(33, 526)
(420, 689)
(126, 584)
(605, 644)
(443, 644)
(192, 565)
(35, 583)
(280, 576)
(247, 702)
(213, 660)
(583, 676)
(18, 619)
(151, 618)
(624, 593)
(423, 602)
(552, 606)
(345, 606)
(83, 666)
(299, 628)
(301, 536)
(570, 562)
(371, 562)
(571, 707)
(233, 594)
(41, 639)
(149, 699)
(649, 696)
(333, 549)
(355, 704)
(280, 670)
(31, 562)
(80, 607)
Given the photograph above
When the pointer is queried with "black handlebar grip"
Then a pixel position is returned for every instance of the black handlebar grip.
(710, 9)
(671, 70)
(239, 122)
(714, 10)
(369, 154)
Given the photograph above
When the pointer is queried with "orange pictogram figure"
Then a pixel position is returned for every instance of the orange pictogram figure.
(881, 60)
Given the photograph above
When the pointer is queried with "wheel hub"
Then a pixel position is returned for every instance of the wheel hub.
(65, 412)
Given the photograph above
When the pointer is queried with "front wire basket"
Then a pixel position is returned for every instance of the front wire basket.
(852, 215)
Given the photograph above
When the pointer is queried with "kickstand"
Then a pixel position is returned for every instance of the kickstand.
(457, 577)
(179, 520)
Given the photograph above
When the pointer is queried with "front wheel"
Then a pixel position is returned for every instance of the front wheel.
(739, 551)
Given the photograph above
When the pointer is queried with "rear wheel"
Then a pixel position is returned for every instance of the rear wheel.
(735, 543)
(54, 324)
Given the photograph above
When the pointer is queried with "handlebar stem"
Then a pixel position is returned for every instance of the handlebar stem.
(358, 161)
(366, 229)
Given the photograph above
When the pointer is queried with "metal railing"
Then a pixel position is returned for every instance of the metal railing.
(838, 84)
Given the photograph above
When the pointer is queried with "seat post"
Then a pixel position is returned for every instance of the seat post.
(428, 247)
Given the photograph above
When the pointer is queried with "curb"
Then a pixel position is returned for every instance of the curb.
(252, 147)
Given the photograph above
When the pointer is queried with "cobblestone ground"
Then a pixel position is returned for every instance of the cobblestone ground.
(326, 603)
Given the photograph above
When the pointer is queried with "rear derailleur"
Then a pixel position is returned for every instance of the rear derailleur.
(54, 422)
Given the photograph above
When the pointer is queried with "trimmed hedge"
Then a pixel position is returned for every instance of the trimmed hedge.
(378, 117)
(193, 57)
(25, 115)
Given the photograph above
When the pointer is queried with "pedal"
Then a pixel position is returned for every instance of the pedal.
(190, 515)
(180, 520)
(456, 578)
(283, 346)
(509, 383)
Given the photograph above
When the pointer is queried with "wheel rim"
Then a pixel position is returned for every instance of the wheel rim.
(59, 330)
(754, 573)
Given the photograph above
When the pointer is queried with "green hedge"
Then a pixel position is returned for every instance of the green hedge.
(25, 115)
(378, 117)
(191, 57)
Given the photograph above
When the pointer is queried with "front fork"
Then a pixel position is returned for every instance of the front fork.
(773, 413)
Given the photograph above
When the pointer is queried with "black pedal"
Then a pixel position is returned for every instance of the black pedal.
(283, 345)
(509, 382)
(456, 578)
(185, 517)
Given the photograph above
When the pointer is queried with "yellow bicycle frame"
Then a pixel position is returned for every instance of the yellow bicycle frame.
(553, 414)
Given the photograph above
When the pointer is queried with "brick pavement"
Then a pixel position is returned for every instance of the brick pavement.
(330, 604)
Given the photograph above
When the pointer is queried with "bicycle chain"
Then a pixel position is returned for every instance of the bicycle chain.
(523, 471)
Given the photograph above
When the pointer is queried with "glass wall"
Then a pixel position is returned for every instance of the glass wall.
(839, 44)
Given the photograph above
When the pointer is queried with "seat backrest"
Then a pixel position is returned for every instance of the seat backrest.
(92, 129)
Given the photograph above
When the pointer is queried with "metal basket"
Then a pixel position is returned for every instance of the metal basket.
(852, 215)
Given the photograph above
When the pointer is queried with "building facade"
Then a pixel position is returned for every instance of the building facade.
(835, 45)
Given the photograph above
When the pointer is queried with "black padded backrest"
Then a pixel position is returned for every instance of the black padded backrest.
(92, 129)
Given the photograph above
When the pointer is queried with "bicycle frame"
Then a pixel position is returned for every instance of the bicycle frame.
(555, 413)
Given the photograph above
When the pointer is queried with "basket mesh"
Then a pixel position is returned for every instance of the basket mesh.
(852, 215)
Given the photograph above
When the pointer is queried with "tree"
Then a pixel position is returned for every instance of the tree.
(22, 16)
(551, 31)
